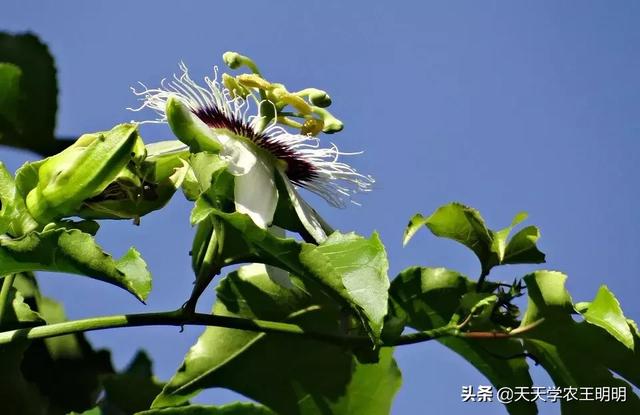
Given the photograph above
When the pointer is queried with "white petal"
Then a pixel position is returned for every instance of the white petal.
(256, 193)
(308, 217)
(240, 157)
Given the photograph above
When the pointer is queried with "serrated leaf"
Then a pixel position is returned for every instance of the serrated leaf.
(350, 268)
(465, 225)
(291, 375)
(432, 297)
(33, 120)
(604, 311)
(20, 313)
(59, 249)
(563, 347)
(356, 268)
(522, 248)
(14, 217)
(499, 243)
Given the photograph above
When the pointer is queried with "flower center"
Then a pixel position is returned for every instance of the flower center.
(298, 170)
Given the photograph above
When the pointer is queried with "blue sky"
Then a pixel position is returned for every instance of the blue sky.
(505, 106)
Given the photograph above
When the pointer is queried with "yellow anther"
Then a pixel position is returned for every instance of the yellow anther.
(233, 86)
(253, 81)
(297, 103)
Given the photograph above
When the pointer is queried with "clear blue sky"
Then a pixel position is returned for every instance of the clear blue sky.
(505, 106)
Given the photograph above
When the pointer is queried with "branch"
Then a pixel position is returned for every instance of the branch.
(170, 318)
(181, 317)
(501, 335)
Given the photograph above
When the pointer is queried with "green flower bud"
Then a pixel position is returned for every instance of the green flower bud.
(134, 194)
(82, 171)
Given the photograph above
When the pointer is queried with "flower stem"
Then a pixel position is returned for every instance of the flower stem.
(7, 283)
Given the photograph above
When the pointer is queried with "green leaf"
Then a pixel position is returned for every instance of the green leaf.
(430, 298)
(9, 95)
(522, 248)
(351, 268)
(577, 354)
(215, 186)
(466, 226)
(31, 123)
(604, 311)
(290, 375)
(356, 269)
(20, 314)
(14, 217)
(236, 408)
(134, 389)
(499, 243)
(59, 249)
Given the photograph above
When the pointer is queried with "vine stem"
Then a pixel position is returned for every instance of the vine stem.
(7, 283)
(178, 317)
(181, 317)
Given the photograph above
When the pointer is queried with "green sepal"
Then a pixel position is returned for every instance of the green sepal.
(190, 130)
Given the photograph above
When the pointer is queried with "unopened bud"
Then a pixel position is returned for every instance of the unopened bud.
(82, 171)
